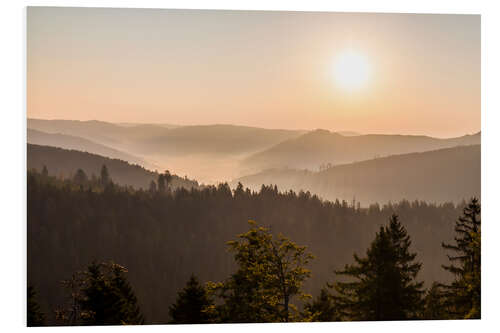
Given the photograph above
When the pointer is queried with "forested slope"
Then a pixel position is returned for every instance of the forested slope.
(64, 163)
(162, 238)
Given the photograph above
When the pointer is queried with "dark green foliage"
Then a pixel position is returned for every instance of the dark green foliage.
(191, 305)
(383, 285)
(35, 317)
(434, 304)
(161, 238)
(463, 295)
(102, 296)
(322, 308)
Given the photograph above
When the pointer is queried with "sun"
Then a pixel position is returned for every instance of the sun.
(351, 70)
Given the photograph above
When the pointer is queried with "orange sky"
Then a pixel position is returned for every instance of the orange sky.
(265, 69)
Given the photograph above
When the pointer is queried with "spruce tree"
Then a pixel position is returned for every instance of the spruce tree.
(382, 285)
(322, 308)
(191, 305)
(105, 297)
(434, 305)
(463, 295)
(35, 317)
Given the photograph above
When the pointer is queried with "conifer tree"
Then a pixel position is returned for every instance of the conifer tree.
(434, 306)
(35, 317)
(191, 305)
(80, 177)
(152, 186)
(463, 295)
(45, 171)
(322, 308)
(168, 178)
(103, 296)
(382, 285)
(104, 179)
(161, 183)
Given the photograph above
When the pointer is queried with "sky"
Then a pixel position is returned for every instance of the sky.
(256, 68)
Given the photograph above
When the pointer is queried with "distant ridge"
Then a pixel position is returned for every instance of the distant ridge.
(318, 147)
(65, 163)
(82, 144)
(450, 174)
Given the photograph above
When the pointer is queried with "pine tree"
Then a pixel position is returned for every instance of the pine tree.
(80, 177)
(35, 317)
(104, 179)
(168, 178)
(463, 295)
(434, 306)
(45, 171)
(270, 272)
(161, 183)
(152, 186)
(191, 305)
(322, 308)
(102, 296)
(383, 285)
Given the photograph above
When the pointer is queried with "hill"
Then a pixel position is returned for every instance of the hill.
(163, 238)
(318, 147)
(64, 163)
(450, 174)
(147, 139)
(85, 145)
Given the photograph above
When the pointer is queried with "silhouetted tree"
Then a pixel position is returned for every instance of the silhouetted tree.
(168, 178)
(102, 296)
(322, 308)
(191, 305)
(104, 179)
(161, 183)
(45, 172)
(80, 177)
(434, 305)
(35, 317)
(152, 187)
(464, 293)
(383, 286)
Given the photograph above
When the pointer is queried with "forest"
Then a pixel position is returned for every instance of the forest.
(100, 253)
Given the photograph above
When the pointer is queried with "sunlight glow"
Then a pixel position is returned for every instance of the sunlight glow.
(351, 70)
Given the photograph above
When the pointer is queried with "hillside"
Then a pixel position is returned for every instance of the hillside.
(63, 162)
(450, 174)
(147, 139)
(318, 147)
(77, 143)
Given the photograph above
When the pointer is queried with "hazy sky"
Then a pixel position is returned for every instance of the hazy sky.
(265, 69)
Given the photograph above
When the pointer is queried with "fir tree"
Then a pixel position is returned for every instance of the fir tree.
(102, 296)
(35, 317)
(383, 285)
(463, 295)
(191, 305)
